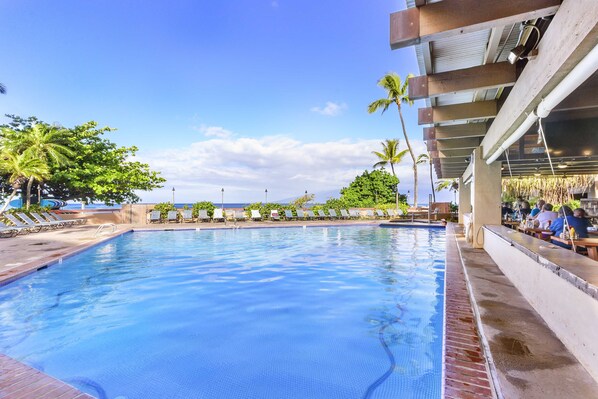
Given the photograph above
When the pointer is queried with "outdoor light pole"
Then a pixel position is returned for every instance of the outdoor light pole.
(266, 196)
(173, 196)
(222, 200)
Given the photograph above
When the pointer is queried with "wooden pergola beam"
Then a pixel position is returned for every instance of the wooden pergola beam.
(448, 18)
(457, 112)
(463, 130)
(481, 77)
(572, 33)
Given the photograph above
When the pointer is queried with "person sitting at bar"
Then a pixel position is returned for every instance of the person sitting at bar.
(581, 214)
(525, 209)
(506, 209)
(538, 208)
(546, 217)
(559, 225)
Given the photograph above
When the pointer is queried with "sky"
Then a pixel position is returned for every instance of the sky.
(241, 95)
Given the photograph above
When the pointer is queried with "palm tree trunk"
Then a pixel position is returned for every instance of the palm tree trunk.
(12, 195)
(432, 181)
(29, 185)
(392, 167)
(412, 155)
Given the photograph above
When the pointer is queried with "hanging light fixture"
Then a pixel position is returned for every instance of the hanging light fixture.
(562, 165)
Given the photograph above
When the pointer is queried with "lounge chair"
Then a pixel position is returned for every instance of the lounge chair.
(345, 214)
(203, 215)
(11, 231)
(45, 225)
(187, 216)
(288, 214)
(391, 213)
(57, 223)
(380, 213)
(321, 214)
(310, 214)
(218, 215)
(332, 214)
(51, 218)
(240, 216)
(256, 216)
(369, 214)
(274, 215)
(172, 216)
(354, 213)
(154, 217)
(300, 214)
(33, 228)
(77, 220)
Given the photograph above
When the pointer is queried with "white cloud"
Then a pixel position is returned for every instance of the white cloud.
(331, 109)
(214, 131)
(245, 167)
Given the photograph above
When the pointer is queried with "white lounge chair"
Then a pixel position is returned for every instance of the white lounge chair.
(391, 213)
(57, 223)
(354, 213)
(240, 216)
(370, 214)
(45, 225)
(11, 231)
(274, 215)
(345, 214)
(187, 216)
(332, 214)
(154, 217)
(51, 218)
(172, 216)
(300, 214)
(321, 214)
(13, 219)
(77, 220)
(288, 214)
(218, 215)
(203, 215)
(310, 214)
(380, 213)
(256, 216)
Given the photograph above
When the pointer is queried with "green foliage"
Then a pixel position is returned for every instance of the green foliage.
(337, 204)
(390, 154)
(266, 208)
(301, 201)
(207, 205)
(403, 206)
(98, 169)
(370, 188)
(573, 204)
(164, 207)
(33, 208)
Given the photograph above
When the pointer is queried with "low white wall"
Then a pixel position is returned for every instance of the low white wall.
(568, 311)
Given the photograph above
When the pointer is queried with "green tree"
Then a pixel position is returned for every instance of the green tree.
(19, 168)
(99, 170)
(39, 141)
(397, 93)
(426, 158)
(370, 188)
(390, 155)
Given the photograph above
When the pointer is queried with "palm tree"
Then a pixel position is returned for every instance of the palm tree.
(426, 158)
(43, 142)
(390, 155)
(2, 89)
(397, 94)
(20, 168)
(451, 184)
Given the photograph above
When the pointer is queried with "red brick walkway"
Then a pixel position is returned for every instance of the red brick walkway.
(18, 381)
(466, 375)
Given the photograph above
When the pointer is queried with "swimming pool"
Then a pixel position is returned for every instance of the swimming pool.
(334, 312)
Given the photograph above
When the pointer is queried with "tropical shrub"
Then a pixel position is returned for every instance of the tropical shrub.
(369, 188)
(207, 205)
(403, 206)
(266, 208)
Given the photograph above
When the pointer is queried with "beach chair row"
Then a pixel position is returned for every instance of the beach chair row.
(21, 223)
(186, 216)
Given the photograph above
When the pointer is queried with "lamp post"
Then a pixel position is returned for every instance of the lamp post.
(173, 196)
(266, 191)
(222, 200)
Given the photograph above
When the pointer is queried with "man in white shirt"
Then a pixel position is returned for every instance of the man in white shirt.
(545, 217)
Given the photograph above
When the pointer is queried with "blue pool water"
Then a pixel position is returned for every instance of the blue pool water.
(346, 312)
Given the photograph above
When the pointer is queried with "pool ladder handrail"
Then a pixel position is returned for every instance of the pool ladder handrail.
(104, 226)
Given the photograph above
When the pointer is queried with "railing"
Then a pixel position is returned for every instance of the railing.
(101, 228)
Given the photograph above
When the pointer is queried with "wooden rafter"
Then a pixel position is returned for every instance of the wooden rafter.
(457, 112)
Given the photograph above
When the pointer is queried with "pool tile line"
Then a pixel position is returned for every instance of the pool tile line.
(23, 270)
(466, 371)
